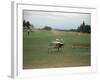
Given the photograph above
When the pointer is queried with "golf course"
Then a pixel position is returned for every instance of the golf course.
(75, 53)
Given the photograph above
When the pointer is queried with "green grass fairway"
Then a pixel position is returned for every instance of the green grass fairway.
(35, 50)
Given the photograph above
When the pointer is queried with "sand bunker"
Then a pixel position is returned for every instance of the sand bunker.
(80, 45)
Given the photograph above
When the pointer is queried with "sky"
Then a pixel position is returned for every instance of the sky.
(56, 20)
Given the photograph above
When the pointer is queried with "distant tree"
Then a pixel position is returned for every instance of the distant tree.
(81, 28)
(28, 24)
(32, 26)
(28, 27)
(47, 28)
(84, 28)
(24, 23)
(87, 29)
(73, 30)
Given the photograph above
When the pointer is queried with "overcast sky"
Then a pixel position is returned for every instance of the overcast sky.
(56, 19)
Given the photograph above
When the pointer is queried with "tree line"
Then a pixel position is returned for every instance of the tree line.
(82, 28)
(27, 24)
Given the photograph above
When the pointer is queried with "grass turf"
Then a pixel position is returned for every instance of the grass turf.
(35, 50)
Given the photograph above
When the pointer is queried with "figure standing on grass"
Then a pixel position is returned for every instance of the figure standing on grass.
(28, 32)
